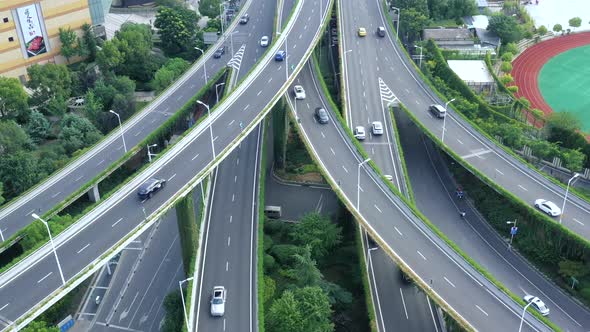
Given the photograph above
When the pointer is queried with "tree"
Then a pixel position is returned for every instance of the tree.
(564, 121)
(109, 57)
(13, 100)
(174, 319)
(134, 42)
(12, 138)
(284, 315)
(575, 22)
(87, 45)
(542, 30)
(39, 326)
(317, 232)
(92, 106)
(18, 172)
(2, 199)
(177, 28)
(557, 28)
(506, 67)
(305, 270)
(69, 47)
(304, 309)
(511, 48)
(38, 127)
(507, 56)
(209, 8)
(461, 8)
(506, 79)
(270, 286)
(506, 27)
(413, 23)
(568, 268)
(168, 73)
(49, 81)
(573, 159)
(77, 132)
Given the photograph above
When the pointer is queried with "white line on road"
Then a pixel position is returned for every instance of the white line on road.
(100, 162)
(116, 222)
(476, 154)
(137, 133)
(238, 161)
(6, 305)
(47, 275)
(419, 253)
(232, 122)
(215, 139)
(245, 108)
(231, 218)
(579, 222)
(259, 92)
(523, 188)
(233, 197)
(345, 169)
(404, 303)
(228, 240)
(323, 136)
(55, 195)
(86, 246)
(450, 283)
(235, 178)
(334, 153)
(269, 80)
(458, 140)
(378, 209)
(397, 230)
(224, 324)
(29, 213)
(226, 265)
(172, 177)
(480, 309)
(79, 178)
(179, 98)
(195, 157)
(497, 170)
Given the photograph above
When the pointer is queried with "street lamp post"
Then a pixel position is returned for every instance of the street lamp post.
(63, 280)
(522, 317)
(512, 231)
(120, 127)
(204, 63)
(445, 119)
(399, 14)
(183, 304)
(566, 191)
(210, 125)
(150, 154)
(358, 183)
(221, 16)
(419, 61)
(217, 93)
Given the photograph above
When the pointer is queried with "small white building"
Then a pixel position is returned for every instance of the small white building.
(474, 73)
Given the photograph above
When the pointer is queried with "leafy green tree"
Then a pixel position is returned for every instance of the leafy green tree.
(213, 25)
(506, 79)
(177, 28)
(557, 28)
(438, 9)
(270, 286)
(305, 270)
(507, 56)
(568, 268)
(92, 106)
(506, 67)
(134, 41)
(413, 23)
(69, 47)
(542, 30)
(38, 127)
(13, 100)
(284, 314)
(418, 5)
(55, 106)
(109, 57)
(317, 232)
(2, 199)
(77, 132)
(174, 319)
(461, 8)
(575, 22)
(565, 121)
(209, 8)
(87, 44)
(506, 27)
(13, 138)
(49, 81)
(18, 172)
(301, 310)
(573, 159)
(39, 326)
(168, 73)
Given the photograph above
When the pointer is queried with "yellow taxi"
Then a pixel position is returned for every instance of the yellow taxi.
(362, 32)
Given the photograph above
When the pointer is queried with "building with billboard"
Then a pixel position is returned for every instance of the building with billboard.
(29, 30)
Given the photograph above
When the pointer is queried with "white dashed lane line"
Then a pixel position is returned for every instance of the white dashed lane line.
(116, 222)
(47, 275)
(480, 309)
(450, 283)
(195, 157)
(419, 253)
(523, 188)
(172, 177)
(497, 170)
(579, 222)
(397, 230)
(82, 249)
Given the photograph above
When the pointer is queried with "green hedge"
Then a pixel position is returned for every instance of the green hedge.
(365, 280)
(260, 245)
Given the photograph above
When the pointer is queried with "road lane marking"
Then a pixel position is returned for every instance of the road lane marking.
(238, 161)
(397, 230)
(224, 324)
(307, 105)
(172, 177)
(361, 189)
(6, 305)
(480, 309)
(497, 170)
(419, 253)
(195, 157)
(321, 132)
(235, 178)
(450, 283)
(404, 303)
(232, 122)
(233, 197)
(29, 213)
(523, 188)
(226, 266)
(476, 154)
(334, 153)
(458, 140)
(179, 98)
(270, 80)
(121, 146)
(579, 222)
(259, 92)
(47, 275)
(378, 209)
(100, 162)
(215, 139)
(345, 169)
(116, 222)
(78, 178)
(55, 195)
(245, 108)
(137, 133)
(86, 246)
(231, 218)
(228, 241)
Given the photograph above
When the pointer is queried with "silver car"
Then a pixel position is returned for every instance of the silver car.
(537, 304)
(377, 128)
(218, 301)
(359, 133)
(548, 207)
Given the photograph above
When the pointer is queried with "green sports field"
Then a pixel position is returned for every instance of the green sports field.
(564, 82)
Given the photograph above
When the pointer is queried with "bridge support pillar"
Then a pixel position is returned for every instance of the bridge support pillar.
(94, 194)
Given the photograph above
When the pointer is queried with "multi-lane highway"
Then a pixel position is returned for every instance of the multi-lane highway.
(68, 180)
(122, 212)
(401, 233)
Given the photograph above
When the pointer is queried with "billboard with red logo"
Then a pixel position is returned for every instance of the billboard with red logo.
(32, 34)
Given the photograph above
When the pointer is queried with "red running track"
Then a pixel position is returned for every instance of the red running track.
(526, 68)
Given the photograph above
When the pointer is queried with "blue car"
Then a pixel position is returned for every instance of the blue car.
(280, 56)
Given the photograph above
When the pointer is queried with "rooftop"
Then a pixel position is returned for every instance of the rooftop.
(471, 70)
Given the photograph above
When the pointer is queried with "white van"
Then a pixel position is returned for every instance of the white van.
(438, 111)
(273, 212)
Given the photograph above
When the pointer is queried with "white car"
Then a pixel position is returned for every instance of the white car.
(377, 128)
(548, 207)
(537, 304)
(218, 301)
(264, 41)
(359, 133)
(299, 92)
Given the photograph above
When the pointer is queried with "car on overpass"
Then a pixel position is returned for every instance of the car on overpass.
(321, 115)
(548, 207)
(381, 31)
(377, 128)
(151, 186)
(218, 298)
(299, 92)
(264, 41)
(280, 55)
(220, 51)
(537, 304)
(244, 19)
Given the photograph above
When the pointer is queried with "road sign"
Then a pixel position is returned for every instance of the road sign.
(513, 230)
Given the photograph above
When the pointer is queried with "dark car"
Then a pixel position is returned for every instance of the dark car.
(280, 56)
(321, 115)
(219, 52)
(244, 19)
(381, 31)
(148, 188)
